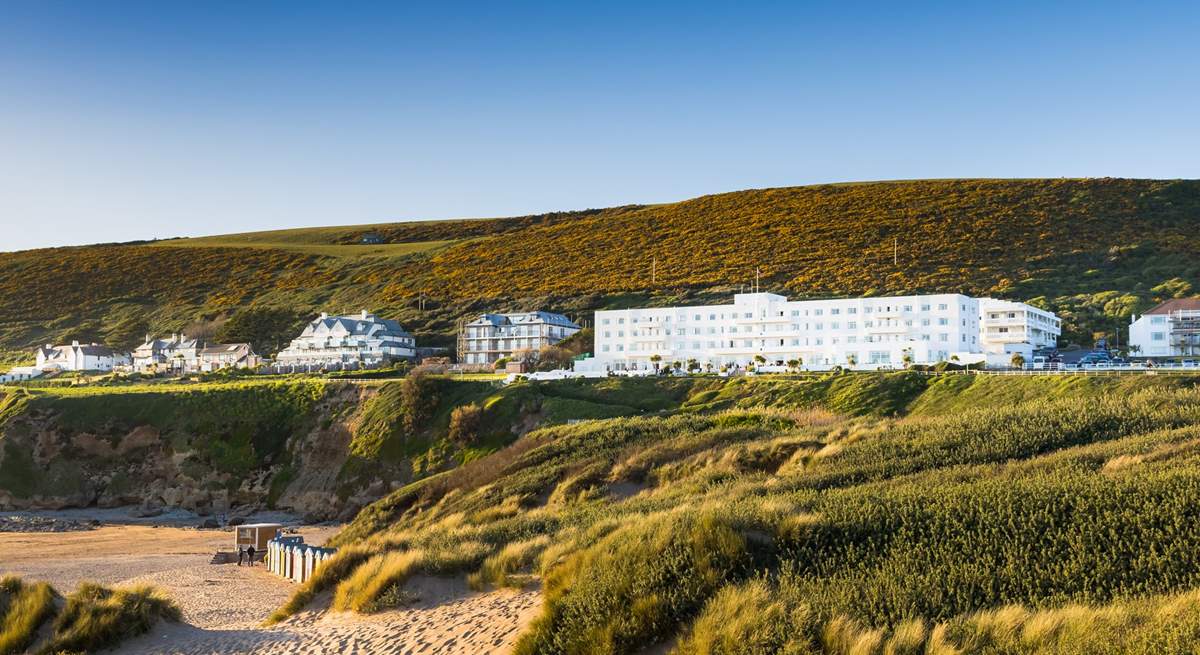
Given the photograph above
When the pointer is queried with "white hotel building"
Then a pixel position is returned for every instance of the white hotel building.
(871, 332)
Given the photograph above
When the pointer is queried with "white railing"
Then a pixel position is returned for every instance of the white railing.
(292, 559)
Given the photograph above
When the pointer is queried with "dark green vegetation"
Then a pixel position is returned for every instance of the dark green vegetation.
(91, 619)
(1092, 250)
(954, 514)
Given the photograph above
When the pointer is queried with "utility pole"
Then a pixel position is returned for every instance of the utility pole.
(755, 279)
(895, 251)
(653, 270)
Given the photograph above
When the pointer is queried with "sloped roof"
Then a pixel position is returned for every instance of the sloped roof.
(524, 318)
(222, 348)
(351, 323)
(1177, 305)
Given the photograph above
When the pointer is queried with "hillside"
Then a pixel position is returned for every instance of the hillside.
(957, 514)
(1093, 250)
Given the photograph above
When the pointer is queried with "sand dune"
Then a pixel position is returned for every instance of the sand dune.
(224, 605)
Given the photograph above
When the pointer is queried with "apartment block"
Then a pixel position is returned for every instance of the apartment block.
(490, 337)
(1171, 329)
(866, 333)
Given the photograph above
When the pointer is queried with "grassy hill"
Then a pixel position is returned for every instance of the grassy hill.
(1093, 250)
(959, 514)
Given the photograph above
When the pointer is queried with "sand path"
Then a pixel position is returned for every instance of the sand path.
(224, 605)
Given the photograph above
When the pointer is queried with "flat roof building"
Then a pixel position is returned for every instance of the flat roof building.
(879, 332)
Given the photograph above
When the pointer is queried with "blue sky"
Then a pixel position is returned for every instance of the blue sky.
(126, 120)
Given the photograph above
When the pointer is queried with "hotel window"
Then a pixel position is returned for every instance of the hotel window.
(607, 334)
(943, 337)
(925, 322)
(867, 310)
(852, 310)
(679, 332)
(748, 343)
(712, 317)
(835, 311)
(604, 347)
(604, 321)
(851, 339)
(851, 325)
(795, 342)
(869, 324)
(964, 338)
(924, 337)
(817, 312)
(1158, 320)
(820, 326)
(620, 333)
(620, 348)
(818, 341)
(924, 308)
(795, 312)
(908, 308)
(834, 325)
(697, 317)
(1158, 336)
(943, 307)
(943, 321)
(695, 345)
(748, 315)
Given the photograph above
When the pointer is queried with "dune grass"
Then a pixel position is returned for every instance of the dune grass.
(763, 530)
(24, 607)
(96, 617)
(92, 618)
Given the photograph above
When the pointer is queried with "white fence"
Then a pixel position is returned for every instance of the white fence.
(291, 558)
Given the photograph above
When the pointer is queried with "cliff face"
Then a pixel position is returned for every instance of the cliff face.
(318, 448)
(209, 450)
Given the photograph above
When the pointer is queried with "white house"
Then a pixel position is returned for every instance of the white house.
(867, 333)
(20, 374)
(490, 337)
(362, 339)
(177, 354)
(227, 355)
(1171, 329)
(80, 357)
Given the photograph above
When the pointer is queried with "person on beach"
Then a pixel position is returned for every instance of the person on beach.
(241, 554)
(250, 552)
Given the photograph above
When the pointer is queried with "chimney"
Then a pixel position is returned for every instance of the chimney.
(75, 343)
(324, 315)
(364, 314)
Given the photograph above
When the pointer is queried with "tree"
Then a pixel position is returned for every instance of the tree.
(418, 399)
(655, 359)
(1018, 360)
(465, 422)
(793, 364)
(693, 365)
(760, 359)
(907, 357)
(851, 360)
(501, 363)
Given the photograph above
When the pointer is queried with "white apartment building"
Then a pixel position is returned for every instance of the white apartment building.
(868, 333)
(1014, 327)
(361, 339)
(492, 336)
(1171, 329)
(80, 357)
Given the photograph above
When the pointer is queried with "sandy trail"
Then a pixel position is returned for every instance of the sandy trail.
(224, 605)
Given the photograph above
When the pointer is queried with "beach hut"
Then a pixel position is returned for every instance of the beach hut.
(255, 534)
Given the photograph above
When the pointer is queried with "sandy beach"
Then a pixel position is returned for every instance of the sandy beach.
(224, 605)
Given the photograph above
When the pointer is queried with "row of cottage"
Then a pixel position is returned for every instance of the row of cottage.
(877, 332)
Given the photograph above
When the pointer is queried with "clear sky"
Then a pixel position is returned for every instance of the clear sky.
(126, 120)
